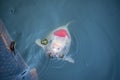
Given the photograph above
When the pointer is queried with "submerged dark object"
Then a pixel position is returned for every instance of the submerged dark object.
(12, 67)
(12, 47)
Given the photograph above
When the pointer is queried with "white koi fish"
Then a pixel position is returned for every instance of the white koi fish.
(57, 44)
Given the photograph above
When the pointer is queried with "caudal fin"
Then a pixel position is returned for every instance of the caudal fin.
(66, 25)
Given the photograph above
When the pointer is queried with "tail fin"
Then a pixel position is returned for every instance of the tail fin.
(66, 25)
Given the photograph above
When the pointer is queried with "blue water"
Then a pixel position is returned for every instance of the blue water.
(95, 35)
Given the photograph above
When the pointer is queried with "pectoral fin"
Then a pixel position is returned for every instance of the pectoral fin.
(69, 59)
(38, 42)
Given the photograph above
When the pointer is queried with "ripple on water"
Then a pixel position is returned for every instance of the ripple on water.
(35, 57)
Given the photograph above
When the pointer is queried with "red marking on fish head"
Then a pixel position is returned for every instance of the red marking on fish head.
(61, 33)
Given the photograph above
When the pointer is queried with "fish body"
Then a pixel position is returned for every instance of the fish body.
(57, 43)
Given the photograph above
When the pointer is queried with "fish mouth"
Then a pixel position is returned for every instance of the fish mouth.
(52, 54)
(55, 55)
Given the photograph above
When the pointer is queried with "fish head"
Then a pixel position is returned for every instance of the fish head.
(56, 47)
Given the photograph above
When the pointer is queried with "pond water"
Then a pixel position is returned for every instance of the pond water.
(95, 36)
